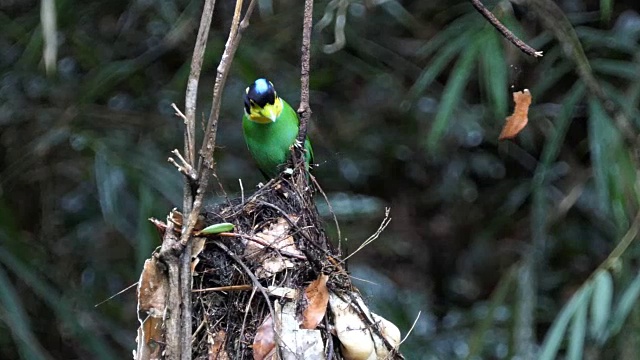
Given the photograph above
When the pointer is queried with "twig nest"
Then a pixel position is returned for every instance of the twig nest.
(267, 284)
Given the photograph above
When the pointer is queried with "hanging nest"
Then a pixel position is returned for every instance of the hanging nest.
(268, 284)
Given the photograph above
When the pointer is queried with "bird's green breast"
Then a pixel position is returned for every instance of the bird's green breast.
(269, 143)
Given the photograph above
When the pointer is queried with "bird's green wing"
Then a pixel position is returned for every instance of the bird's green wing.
(292, 116)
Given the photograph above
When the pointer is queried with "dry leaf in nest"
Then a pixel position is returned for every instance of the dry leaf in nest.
(150, 336)
(277, 237)
(196, 249)
(176, 218)
(518, 120)
(294, 343)
(152, 289)
(316, 298)
(265, 341)
(216, 346)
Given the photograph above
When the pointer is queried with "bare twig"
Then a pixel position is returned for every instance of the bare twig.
(116, 294)
(205, 165)
(194, 76)
(383, 225)
(184, 167)
(304, 110)
(326, 199)
(241, 191)
(246, 314)
(504, 31)
(191, 178)
(225, 288)
(179, 343)
(410, 329)
(622, 246)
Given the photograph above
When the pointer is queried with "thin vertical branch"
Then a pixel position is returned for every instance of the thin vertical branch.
(184, 262)
(205, 166)
(194, 77)
(304, 110)
(178, 346)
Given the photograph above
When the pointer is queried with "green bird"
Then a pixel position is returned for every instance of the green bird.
(270, 127)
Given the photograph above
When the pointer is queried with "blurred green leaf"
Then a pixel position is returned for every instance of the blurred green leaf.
(578, 333)
(400, 14)
(452, 32)
(145, 234)
(109, 181)
(71, 317)
(12, 313)
(628, 300)
(552, 147)
(606, 8)
(498, 298)
(601, 303)
(555, 335)
(619, 68)
(439, 62)
(453, 93)
(611, 160)
(607, 39)
(602, 138)
(106, 77)
(494, 72)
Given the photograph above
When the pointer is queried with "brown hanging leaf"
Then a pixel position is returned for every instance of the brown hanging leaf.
(518, 120)
(265, 340)
(316, 297)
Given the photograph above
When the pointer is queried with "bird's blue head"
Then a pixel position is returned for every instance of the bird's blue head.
(261, 102)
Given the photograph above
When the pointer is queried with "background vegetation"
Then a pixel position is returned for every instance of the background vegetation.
(515, 248)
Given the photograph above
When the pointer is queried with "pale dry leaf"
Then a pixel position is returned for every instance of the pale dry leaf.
(274, 233)
(216, 346)
(265, 339)
(518, 120)
(283, 292)
(150, 336)
(152, 289)
(275, 237)
(196, 249)
(271, 265)
(316, 297)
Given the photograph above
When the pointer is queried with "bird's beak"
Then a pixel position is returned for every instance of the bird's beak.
(270, 112)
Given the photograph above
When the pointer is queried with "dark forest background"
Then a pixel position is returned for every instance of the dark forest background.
(489, 240)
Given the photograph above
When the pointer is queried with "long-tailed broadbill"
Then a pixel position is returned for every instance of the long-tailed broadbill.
(270, 127)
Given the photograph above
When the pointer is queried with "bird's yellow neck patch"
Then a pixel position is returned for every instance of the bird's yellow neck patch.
(267, 114)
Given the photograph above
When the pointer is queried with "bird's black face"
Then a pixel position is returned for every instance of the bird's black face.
(260, 93)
